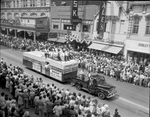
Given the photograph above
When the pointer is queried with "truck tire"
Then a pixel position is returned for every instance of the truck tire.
(101, 95)
(78, 87)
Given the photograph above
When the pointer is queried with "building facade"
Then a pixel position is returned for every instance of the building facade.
(116, 22)
(61, 22)
(138, 38)
(21, 8)
(115, 32)
(13, 10)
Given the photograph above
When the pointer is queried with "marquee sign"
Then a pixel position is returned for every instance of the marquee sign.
(101, 24)
(74, 14)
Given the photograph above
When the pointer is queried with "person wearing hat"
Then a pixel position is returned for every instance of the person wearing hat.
(107, 111)
(26, 98)
(65, 111)
(116, 114)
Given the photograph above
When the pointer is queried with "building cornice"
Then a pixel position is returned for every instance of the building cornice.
(25, 8)
(139, 2)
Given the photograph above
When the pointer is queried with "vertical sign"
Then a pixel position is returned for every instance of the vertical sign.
(74, 13)
(101, 23)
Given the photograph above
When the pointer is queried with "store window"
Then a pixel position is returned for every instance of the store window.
(148, 26)
(31, 3)
(26, 3)
(34, 2)
(17, 3)
(122, 26)
(113, 28)
(86, 28)
(136, 21)
(69, 27)
(14, 4)
(55, 26)
(44, 2)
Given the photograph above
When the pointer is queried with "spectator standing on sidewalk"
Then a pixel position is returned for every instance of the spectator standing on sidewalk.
(116, 114)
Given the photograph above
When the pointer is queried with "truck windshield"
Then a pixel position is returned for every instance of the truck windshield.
(99, 78)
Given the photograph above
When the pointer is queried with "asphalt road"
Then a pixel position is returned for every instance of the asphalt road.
(131, 100)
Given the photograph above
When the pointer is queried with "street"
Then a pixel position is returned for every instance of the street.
(131, 100)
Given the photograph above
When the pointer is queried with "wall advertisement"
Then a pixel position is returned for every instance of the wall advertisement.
(55, 74)
(36, 66)
(138, 46)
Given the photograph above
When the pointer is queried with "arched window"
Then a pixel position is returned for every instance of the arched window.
(147, 25)
(136, 21)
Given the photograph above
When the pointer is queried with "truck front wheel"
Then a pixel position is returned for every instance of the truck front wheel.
(101, 95)
(78, 87)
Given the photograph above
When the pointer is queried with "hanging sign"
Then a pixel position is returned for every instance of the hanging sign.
(74, 14)
(101, 24)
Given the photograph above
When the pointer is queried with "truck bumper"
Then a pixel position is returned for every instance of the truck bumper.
(112, 94)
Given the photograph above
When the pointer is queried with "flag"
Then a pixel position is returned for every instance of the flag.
(71, 38)
(82, 41)
(88, 41)
(11, 21)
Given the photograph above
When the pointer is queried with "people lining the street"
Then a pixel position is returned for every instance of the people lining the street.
(46, 99)
(114, 66)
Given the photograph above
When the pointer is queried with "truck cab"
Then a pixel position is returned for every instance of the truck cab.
(95, 84)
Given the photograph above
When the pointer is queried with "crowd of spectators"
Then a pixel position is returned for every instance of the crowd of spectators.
(114, 66)
(46, 99)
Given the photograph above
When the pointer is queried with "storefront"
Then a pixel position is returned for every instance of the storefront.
(107, 47)
(138, 51)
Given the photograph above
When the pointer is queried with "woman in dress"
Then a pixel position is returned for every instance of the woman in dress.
(20, 98)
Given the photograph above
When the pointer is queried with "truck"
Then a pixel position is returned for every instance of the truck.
(61, 71)
(95, 84)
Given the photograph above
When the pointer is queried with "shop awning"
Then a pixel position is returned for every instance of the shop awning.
(53, 39)
(96, 46)
(61, 40)
(112, 49)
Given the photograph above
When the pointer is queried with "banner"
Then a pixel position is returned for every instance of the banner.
(3, 28)
(82, 41)
(10, 29)
(88, 41)
(101, 23)
(19, 30)
(38, 33)
(29, 33)
(71, 39)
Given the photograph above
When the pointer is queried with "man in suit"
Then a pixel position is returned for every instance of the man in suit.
(50, 106)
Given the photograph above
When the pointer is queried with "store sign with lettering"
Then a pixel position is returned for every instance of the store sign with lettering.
(56, 74)
(75, 9)
(74, 14)
(101, 24)
(144, 45)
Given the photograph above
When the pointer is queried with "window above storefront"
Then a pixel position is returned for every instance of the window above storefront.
(148, 26)
(86, 28)
(69, 27)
